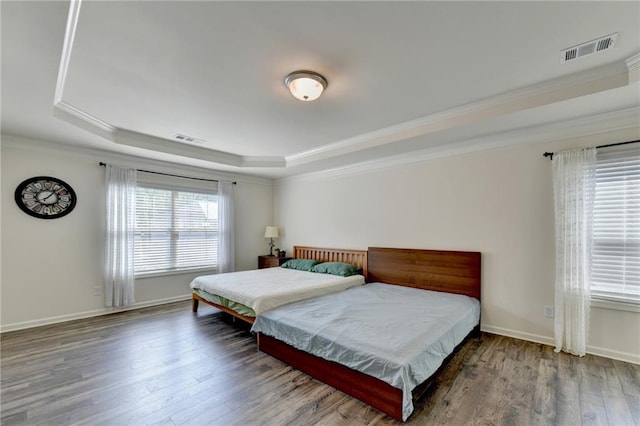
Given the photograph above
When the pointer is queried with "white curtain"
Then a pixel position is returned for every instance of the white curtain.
(119, 252)
(574, 190)
(226, 237)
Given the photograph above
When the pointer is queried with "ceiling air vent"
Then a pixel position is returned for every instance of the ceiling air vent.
(188, 139)
(588, 48)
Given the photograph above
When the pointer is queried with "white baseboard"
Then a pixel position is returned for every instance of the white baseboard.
(608, 353)
(536, 338)
(546, 340)
(87, 314)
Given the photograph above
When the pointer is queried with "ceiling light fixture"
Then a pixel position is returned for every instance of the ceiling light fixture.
(306, 85)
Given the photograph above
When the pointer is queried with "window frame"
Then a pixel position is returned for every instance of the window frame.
(602, 298)
(163, 184)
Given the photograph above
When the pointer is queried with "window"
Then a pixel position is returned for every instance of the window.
(615, 270)
(175, 230)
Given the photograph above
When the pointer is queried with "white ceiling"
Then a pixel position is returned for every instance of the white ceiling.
(403, 76)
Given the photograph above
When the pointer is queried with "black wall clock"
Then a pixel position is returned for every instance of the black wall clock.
(45, 197)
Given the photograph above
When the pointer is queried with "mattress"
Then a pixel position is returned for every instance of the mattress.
(222, 301)
(263, 289)
(399, 335)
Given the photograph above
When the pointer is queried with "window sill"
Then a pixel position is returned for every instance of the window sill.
(177, 272)
(615, 305)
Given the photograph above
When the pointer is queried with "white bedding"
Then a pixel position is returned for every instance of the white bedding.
(397, 334)
(265, 289)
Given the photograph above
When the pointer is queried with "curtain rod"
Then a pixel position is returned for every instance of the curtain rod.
(550, 154)
(169, 174)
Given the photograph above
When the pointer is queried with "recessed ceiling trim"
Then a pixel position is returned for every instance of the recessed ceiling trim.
(633, 65)
(620, 120)
(143, 140)
(130, 160)
(121, 136)
(67, 46)
(82, 119)
(602, 78)
(262, 161)
(95, 125)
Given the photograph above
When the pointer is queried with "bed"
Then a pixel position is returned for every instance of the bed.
(246, 294)
(352, 340)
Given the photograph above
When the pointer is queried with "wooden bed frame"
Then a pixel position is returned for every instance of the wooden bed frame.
(355, 257)
(448, 271)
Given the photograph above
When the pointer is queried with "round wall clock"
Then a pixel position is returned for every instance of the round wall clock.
(45, 197)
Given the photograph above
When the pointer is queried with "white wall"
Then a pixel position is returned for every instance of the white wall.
(50, 267)
(498, 202)
(495, 201)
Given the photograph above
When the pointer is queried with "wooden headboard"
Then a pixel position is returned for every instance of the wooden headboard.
(355, 257)
(449, 271)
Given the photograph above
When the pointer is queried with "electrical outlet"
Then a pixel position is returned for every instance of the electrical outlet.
(548, 311)
(97, 291)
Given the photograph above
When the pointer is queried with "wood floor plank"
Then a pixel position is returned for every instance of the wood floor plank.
(591, 401)
(616, 406)
(567, 395)
(544, 407)
(630, 382)
(166, 365)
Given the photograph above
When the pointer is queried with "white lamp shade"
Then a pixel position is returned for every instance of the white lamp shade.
(271, 232)
(306, 85)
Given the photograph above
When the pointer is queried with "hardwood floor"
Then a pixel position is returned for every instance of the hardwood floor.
(168, 366)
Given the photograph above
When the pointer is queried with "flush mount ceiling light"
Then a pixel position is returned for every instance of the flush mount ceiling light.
(306, 85)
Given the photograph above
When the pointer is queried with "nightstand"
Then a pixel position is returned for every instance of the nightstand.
(271, 261)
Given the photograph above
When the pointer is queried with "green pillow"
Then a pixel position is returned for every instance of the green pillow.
(300, 264)
(337, 268)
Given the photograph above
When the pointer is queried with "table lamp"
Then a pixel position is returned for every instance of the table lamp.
(271, 232)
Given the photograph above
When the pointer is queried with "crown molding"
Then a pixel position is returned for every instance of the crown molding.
(89, 122)
(608, 122)
(264, 161)
(595, 80)
(67, 47)
(598, 79)
(10, 141)
(154, 143)
(633, 65)
(83, 120)
(86, 121)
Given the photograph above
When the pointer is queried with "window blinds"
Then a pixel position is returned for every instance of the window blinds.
(175, 230)
(615, 271)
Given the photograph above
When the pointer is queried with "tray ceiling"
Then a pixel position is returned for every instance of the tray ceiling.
(403, 76)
